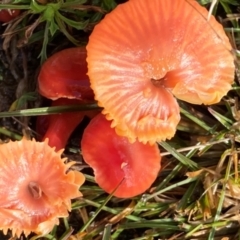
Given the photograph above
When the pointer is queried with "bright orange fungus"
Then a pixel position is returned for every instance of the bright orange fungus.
(35, 186)
(115, 160)
(145, 52)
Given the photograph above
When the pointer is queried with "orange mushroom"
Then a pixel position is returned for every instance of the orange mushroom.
(145, 52)
(118, 163)
(63, 78)
(64, 75)
(36, 187)
(6, 15)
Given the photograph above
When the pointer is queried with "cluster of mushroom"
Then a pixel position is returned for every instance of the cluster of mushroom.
(141, 57)
(41, 184)
(136, 74)
(137, 67)
(63, 78)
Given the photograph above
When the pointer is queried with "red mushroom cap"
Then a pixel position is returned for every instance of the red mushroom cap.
(143, 51)
(113, 158)
(36, 187)
(6, 15)
(63, 75)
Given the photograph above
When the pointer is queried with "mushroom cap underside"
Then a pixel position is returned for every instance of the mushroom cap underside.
(36, 186)
(144, 50)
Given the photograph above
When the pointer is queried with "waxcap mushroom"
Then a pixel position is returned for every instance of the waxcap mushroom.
(143, 51)
(63, 75)
(115, 160)
(57, 128)
(6, 15)
(63, 78)
(36, 187)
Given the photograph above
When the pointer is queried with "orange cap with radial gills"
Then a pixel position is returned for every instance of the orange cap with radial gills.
(137, 64)
(37, 187)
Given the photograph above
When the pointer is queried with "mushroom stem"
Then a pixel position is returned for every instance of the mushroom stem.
(61, 126)
(63, 77)
(60, 129)
(35, 190)
(158, 82)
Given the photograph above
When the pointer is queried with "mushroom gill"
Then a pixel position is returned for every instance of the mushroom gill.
(145, 53)
(37, 187)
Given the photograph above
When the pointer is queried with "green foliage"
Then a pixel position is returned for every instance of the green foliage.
(108, 4)
(21, 102)
(59, 16)
(231, 2)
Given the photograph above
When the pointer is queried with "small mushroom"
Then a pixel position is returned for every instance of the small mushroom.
(63, 78)
(36, 187)
(6, 15)
(132, 167)
(64, 75)
(58, 127)
(144, 53)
